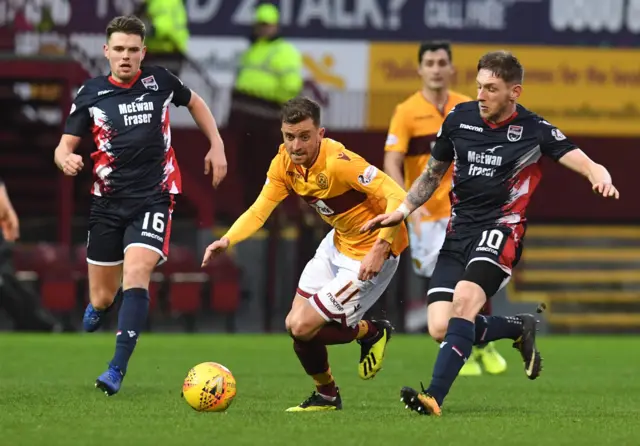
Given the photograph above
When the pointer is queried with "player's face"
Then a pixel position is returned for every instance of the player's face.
(495, 96)
(302, 141)
(435, 69)
(125, 53)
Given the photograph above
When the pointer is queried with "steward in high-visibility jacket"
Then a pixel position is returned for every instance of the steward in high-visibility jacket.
(170, 32)
(271, 68)
(269, 74)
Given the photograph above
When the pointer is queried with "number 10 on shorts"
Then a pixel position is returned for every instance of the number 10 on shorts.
(157, 222)
(491, 241)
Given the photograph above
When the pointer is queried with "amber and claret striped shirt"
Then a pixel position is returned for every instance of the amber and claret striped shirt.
(342, 187)
(413, 129)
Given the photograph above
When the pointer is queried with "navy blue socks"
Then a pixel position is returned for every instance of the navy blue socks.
(131, 320)
(454, 352)
(493, 328)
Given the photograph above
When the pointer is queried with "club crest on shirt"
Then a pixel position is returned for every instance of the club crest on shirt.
(558, 135)
(322, 181)
(150, 83)
(514, 133)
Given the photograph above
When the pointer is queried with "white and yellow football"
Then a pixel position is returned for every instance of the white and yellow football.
(209, 387)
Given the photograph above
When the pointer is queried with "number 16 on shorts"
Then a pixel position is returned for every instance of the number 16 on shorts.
(151, 230)
(157, 223)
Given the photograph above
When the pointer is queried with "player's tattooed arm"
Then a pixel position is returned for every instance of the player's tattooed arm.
(428, 181)
(421, 190)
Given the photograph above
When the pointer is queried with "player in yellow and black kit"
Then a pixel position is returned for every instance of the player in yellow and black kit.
(411, 136)
(350, 270)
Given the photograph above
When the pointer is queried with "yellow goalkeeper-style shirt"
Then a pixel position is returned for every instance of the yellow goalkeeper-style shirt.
(342, 187)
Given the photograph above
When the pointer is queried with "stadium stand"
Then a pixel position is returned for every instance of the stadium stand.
(586, 275)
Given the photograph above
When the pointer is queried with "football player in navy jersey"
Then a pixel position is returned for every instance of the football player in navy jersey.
(136, 176)
(495, 146)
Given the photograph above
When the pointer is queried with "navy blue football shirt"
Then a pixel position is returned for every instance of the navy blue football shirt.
(496, 167)
(131, 130)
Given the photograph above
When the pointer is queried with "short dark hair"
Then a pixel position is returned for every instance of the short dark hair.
(504, 65)
(129, 24)
(299, 109)
(434, 45)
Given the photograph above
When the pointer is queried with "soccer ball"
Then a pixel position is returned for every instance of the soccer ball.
(209, 387)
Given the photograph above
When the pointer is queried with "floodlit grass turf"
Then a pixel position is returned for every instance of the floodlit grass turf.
(587, 395)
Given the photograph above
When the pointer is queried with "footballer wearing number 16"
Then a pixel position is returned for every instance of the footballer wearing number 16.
(136, 176)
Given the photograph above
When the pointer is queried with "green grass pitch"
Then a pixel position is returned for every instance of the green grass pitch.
(588, 394)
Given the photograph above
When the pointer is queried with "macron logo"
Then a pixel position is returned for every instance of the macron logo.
(472, 128)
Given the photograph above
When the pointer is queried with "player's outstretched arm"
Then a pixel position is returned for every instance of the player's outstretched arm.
(244, 227)
(421, 190)
(597, 174)
(273, 192)
(215, 161)
(426, 184)
(249, 222)
(68, 162)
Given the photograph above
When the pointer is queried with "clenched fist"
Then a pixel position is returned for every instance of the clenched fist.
(70, 164)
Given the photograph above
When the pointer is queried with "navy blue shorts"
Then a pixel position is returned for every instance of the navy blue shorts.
(485, 258)
(117, 223)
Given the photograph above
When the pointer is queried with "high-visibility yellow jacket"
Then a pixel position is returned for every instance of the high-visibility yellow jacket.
(270, 70)
(170, 31)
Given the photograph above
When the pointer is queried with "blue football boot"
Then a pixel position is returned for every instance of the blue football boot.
(110, 381)
(92, 319)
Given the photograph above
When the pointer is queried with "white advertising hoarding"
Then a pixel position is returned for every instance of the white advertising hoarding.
(335, 73)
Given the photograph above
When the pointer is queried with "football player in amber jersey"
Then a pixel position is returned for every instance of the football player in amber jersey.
(412, 134)
(350, 270)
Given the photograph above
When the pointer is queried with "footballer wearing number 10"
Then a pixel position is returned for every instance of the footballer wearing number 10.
(495, 146)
